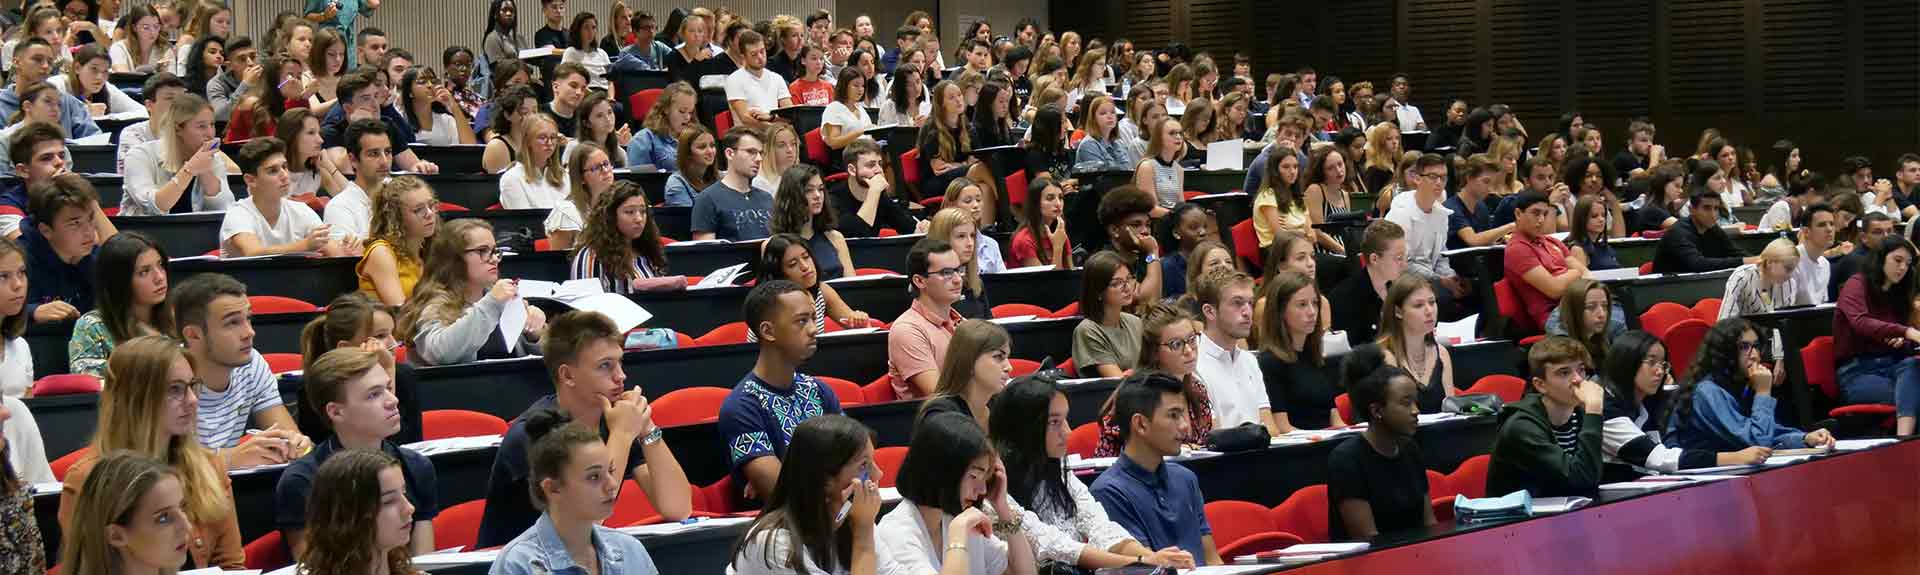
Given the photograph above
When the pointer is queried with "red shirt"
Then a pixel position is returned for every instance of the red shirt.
(1524, 253)
(1025, 247)
(815, 93)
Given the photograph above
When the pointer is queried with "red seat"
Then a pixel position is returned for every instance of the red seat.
(496, 206)
(1189, 195)
(880, 390)
(666, 241)
(873, 272)
(735, 332)
(1683, 339)
(1531, 339)
(459, 526)
(266, 304)
(641, 102)
(1345, 405)
(682, 339)
(1017, 188)
(888, 460)
(543, 245)
(400, 354)
(1023, 366)
(268, 553)
(689, 405)
(1470, 479)
(1661, 317)
(1083, 440)
(1509, 388)
(1259, 543)
(1437, 484)
(933, 203)
(445, 423)
(65, 462)
(282, 362)
(66, 384)
(1067, 367)
(1817, 359)
(720, 498)
(884, 232)
(910, 170)
(632, 508)
(816, 149)
(1707, 310)
(1235, 520)
(1511, 308)
(1071, 310)
(1304, 514)
(1247, 244)
(1019, 309)
(723, 122)
(1646, 268)
(451, 207)
(847, 392)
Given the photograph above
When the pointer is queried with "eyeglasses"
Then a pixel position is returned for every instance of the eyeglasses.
(1747, 346)
(547, 138)
(946, 274)
(1122, 282)
(421, 211)
(1180, 344)
(599, 168)
(487, 253)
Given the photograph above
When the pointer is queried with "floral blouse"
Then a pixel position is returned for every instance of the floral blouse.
(1199, 413)
(89, 346)
(21, 551)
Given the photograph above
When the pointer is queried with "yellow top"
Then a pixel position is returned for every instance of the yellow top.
(409, 270)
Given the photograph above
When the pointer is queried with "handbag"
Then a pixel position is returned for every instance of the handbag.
(1471, 404)
(1243, 437)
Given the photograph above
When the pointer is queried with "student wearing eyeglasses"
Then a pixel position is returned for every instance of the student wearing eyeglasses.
(1107, 341)
(918, 339)
(454, 314)
(1169, 344)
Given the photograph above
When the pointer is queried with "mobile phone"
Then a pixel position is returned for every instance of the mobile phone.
(846, 507)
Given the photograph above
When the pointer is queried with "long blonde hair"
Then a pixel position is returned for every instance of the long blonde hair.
(971, 339)
(184, 108)
(949, 219)
(1502, 147)
(111, 494)
(1380, 139)
(442, 292)
(131, 404)
(553, 171)
(389, 216)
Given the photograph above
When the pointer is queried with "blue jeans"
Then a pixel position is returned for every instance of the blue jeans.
(1882, 379)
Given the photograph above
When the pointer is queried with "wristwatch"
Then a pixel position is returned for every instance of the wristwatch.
(1003, 527)
(1151, 258)
(652, 437)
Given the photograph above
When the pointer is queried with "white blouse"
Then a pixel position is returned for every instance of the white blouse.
(146, 174)
(1060, 539)
(900, 541)
(773, 545)
(25, 450)
(518, 192)
(16, 368)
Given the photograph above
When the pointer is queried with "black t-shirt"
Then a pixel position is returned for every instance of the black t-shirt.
(550, 37)
(510, 508)
(1299, 389)
(892, 214)
(296, 483)
(1395, 487)
(1356, 308)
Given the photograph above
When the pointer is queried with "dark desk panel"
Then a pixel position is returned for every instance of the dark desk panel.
(181, 235)
(1638, 294)
(455, 159)
(93, 158)
(320, 279)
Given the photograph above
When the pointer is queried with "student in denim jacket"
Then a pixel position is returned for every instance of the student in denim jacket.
(576, 491)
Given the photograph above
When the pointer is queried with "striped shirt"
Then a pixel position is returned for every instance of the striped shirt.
(224, 414)
(1568, 435)
(586, 266)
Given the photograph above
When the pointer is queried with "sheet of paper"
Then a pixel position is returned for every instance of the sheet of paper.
(540, 52)
(659, 529)
(1028, 269)
(625, 314)
(513, 321)
(1429, 418)
(1559, 504)
(1457, 332)
(1859, 444)
(1616, 274)
(1226, 569)
(134, 114)
(722, 277)
(450, 559)
(100, 139)
(1225, 155)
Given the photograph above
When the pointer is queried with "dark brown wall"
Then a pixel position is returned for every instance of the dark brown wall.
(1839, 77)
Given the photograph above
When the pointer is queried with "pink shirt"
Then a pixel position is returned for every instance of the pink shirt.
(1524, 253)
(915, 344)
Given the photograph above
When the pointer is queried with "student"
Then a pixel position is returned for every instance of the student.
(419, 90)
(845, 119)
(504, 128)
(1699, 244)
(918, 339)
(1874, 228)
(905, 102)
(787, 257)
(132, 302)
(945, 147)
(1759, 288)
(311, 170)
(1811, 271)
(237, 390)
(361, 95)
(1708, 411)
(453, 314)
(1187, 227)
(1157, 501)
(156, 97)
(21, 549)
(953, 487)
(657, 143)
(583, 358)
(1042, 238)
(146, 408)
(1871, 334)
(796, 533)
(1066, 524)
(1470, 222)
(61, 247)
(183, 170)
(645, 52)
(1549, 441)
(1426, 221)
(239, 63)
(23, 455)
(1160, 171)
(993, 120)
(973, 199)
(1586, 313)
(1357, 302)
(264, 102)
(1407, 322)
(752, 92)
(538, 178)
(267, 223)
(362, 512)
(137, 518)
(957, 227)
(1378, 483)
(758, 417)
(1290, 356)
(325, 54)
(569, 90)
(142, 51)
(403, 222)
(783, 152)
(1635, 374)
(1126, 213)
(732, 209)
(1784, 212)
(86, 80)
(800, 209)
(33, 61)
(1106, 341)
(810, 86)
(1049, 146)
(1538, 266)
(696, 167)
(355, 320)
(589, 176)
(1589, 235)
(1169, 345)
(353, 391)
(574, 487)
(865, 201)
(598, 126)
(584, 51)
(1279, 206)
(620, 228)
(974, 370)
(1292, 253)
(1232, 375)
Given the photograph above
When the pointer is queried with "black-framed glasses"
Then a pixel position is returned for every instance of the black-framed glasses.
(946, 274)
(486, 253)
(1180, 344)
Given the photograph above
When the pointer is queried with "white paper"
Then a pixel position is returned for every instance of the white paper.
(1028, 269)
(451, 559)
(1013, 319)
(540, 52)
(1859, 444)
(561, 291)
(134, 114)
(722, 277)
(1093, 463)
(1616, 274)
(1225, 155)
(1431, 418)
(863, 278)
(256, 469)
(453, 444)
(659, 529)
(1559, 504)
(1225, 569)
(625, 314)
(890, 495)
(513, 321)
(854, 331)
(1661, 482)
(1220, 195)
(1453, 333)
(100, 139)
(1324, 548)
(48, 488)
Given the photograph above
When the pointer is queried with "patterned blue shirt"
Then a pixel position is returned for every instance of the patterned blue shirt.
(757, 419)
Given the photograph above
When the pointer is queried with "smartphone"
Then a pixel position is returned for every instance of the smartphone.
(846, 507)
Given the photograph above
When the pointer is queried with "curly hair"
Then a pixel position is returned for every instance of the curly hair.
(1718, 359)
(441, 293)
(341, 516)
(602, 233)
(389, 216)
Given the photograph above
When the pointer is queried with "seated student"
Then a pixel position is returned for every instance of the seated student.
(568, 90)
(589, 175)
(363, 514)
(1759, 288)
(1726, 402)
(583, 358)
(453, 315)
(657, 144)
(917, 340)
(538, 178)
(831, 468)
(258, 113)
(800, 209)
(1470, 224)
(1803, 193)
(1232, 374)
(864, 200)
(33, 62)
(1587, 313)
(358, 100)
(1875, 228)
(1126, 214)
(1871, 334)
(1549, 441)
(972, 199)
(1106, 342)
(758, 417)
(1157, 501)
(352, 390)
(1378, 483)
(974, 370)
(1407, 324)
(23, 454)
(1160, 171)
(156, 96)
(237, 390)
(1666, 197)
(753, 93)
(350, 212)
(1699, 244)
(351, 321)
(1425, 221)
(1169, 344)
(21, 549)
(1290, 358)
(136, 519)
(1067, 526)
(311, 170)
(39, 109)
(732, 209)
(508, 108)
(132, 301)
(183, 169)
(1634, 375)
(1293, 252)
(1357, 302)
(1042, 238)
(620, 229)
(696, 167)
(267, 223)
(1590, 233)
(574, 480)
(61, 247)
(845, 120)
(403, 222)
(146, 408)
(953, 487)
(419, 89)
(1193, 254)
(225, 88)
(85, 78)
(787, 257)
(1538, 266)
(1811, 270)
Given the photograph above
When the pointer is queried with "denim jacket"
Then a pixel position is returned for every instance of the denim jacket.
(539, 551)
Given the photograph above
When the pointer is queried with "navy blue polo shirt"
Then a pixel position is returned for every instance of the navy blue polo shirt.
(1480, 220)
(1159, 508)
(296, 483)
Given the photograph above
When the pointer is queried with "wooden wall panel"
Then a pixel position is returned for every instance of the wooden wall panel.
(1709, 59)
(1891, 60)
(1525, 52)
(1613, 49)
(1443, 58)
(1800, 56)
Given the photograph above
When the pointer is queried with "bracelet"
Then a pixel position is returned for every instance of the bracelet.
(959, 546)
(652, 437)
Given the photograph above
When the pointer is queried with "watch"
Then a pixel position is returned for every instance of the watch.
(1151, 258)
(1004, 527)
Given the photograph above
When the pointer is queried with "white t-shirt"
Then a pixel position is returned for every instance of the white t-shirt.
(902, 548)
(596, 62)
(1409, 117)
(224, 414)
(350, 212)
(838, 114)
(296, 219)
(441, 133)
(139, 133)
(519, 192)
(564, 217)
(16, 369)
(1234, 383)
(1426, 235)
(891, 116)
(773, 545)
(762, 92)
(1810, 277)
(1779, 216)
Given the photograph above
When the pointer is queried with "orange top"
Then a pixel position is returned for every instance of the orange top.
(214, 544)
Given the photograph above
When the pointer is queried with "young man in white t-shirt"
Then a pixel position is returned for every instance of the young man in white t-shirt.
(237, 390)
(350, 213)
(753, 92)
(267, 223)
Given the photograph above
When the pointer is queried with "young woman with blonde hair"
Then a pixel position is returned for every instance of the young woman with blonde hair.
(405, 215)
(135, 521)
